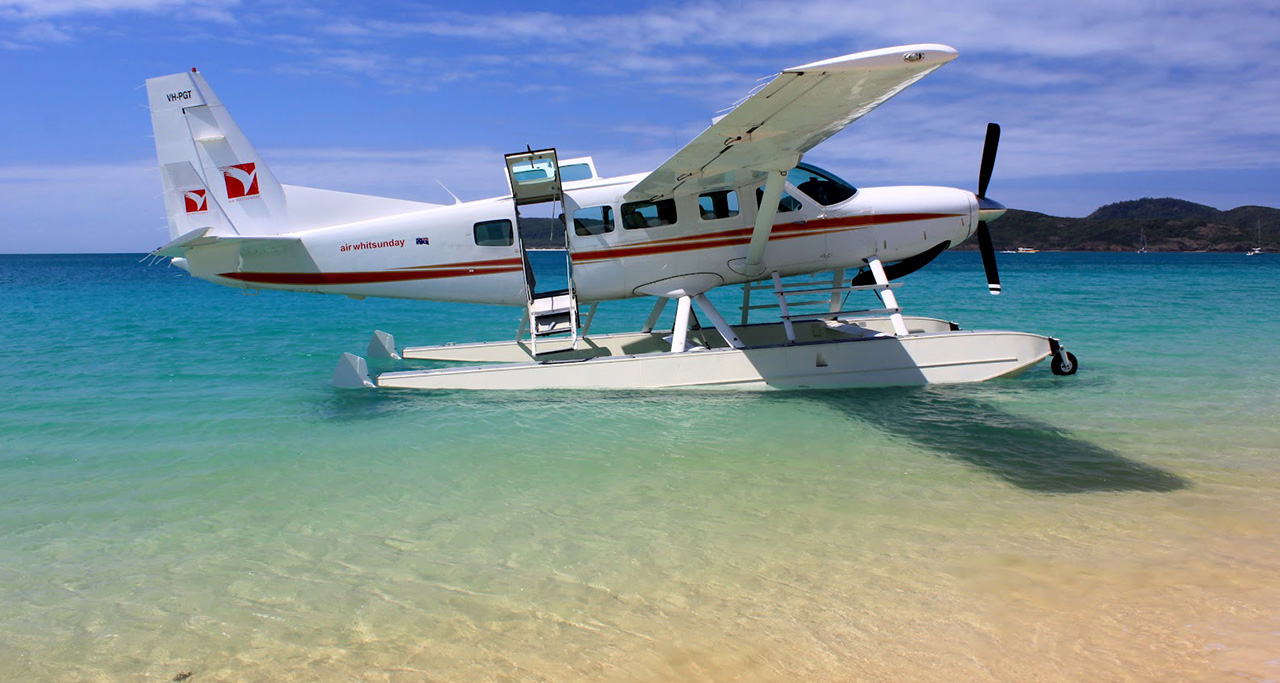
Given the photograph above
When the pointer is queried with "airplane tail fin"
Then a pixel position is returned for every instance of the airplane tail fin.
(213, 178)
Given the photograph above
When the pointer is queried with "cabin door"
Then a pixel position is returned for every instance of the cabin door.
(534, 176)
(535, 179)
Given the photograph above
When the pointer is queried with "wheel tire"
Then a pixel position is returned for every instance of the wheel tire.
(1068, 368)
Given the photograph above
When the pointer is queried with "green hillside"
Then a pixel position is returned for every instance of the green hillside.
(1168, 224)
(542, 233)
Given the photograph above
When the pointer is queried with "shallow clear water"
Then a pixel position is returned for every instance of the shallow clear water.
(181, 490)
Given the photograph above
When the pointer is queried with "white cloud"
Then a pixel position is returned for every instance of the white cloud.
(42, 32)
(50, 8)
(1149, 31)
(1051, 69)
(34, 13)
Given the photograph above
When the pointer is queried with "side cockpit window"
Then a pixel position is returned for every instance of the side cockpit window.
(785, 203)
(819, 185)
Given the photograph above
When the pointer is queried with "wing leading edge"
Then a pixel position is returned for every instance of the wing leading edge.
(800, 108)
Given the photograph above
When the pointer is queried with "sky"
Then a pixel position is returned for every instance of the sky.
(1100, 101)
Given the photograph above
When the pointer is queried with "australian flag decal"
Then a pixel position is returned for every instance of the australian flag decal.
(421, 240)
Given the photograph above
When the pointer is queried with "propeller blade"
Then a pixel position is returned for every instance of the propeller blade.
(988, 257)
(988, 157)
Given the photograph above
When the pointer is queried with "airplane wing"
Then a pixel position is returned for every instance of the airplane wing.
(800, 108)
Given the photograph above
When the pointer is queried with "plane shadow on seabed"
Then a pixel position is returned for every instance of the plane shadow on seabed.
(1030, 454)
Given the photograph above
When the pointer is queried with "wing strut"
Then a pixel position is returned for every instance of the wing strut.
(764, 222)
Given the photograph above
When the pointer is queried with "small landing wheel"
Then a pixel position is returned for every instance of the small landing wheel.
(1064, 364)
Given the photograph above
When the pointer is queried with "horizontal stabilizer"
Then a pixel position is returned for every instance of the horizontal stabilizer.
(204, 237)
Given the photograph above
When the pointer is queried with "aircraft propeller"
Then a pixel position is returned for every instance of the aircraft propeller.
(988, 208)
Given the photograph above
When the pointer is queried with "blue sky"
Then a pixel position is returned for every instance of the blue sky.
(1100, 101)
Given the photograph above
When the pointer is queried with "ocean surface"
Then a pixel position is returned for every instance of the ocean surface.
(182, 491)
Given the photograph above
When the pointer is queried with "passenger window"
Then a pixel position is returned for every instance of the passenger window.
(648, 214)
(494, 233)
(785, 203)
(719, 204)
(596, 220)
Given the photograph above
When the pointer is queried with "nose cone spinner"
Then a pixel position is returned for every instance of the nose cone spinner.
(989, 209)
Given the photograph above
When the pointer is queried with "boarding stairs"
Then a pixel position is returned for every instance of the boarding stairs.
(534, 176)
(553, 314)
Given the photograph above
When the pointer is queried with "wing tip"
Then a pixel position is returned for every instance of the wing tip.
(922, 54)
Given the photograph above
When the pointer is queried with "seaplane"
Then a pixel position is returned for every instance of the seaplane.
(736, 206)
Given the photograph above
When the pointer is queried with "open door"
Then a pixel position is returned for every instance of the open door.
(534, 176)
(535, 179)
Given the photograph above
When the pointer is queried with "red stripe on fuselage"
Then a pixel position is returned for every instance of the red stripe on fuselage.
(511, 265)
(742, 236)
(711, 240)
(513, 261)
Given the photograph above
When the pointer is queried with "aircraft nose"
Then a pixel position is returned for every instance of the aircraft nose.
(989, 209)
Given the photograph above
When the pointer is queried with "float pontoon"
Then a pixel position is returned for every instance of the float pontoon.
(835, 348)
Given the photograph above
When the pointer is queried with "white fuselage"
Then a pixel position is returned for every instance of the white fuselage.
(439, 253)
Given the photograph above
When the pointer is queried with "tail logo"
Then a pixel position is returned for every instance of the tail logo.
(242, 180)
(196, 200)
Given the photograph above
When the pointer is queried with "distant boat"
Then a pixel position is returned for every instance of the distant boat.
(1143, 234)
(1258, 249)
(1027, 250)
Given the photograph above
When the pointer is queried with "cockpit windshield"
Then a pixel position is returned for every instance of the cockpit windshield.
(819, 185)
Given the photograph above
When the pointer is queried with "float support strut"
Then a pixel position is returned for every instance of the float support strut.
(680, 333)
(722, 326)
(886, 295)
(656, 313)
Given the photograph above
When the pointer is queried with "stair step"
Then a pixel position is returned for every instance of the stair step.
(552, 314)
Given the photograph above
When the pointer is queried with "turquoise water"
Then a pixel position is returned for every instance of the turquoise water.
(182, 491)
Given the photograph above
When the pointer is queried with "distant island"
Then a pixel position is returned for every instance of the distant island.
(1167, 224)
